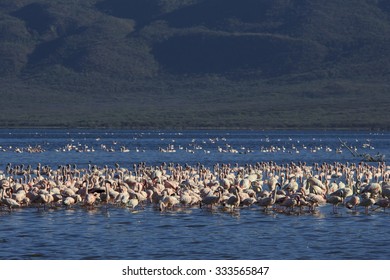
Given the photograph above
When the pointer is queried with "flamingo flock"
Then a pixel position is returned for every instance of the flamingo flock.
(293, 188)
(206, 145)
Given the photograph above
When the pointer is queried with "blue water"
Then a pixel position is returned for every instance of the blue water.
(248, 233)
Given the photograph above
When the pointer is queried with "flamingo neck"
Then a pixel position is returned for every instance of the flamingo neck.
(107, 192)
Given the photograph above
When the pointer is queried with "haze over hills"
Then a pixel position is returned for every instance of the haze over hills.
(195, 63)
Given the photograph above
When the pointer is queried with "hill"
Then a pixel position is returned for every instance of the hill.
(195, 63)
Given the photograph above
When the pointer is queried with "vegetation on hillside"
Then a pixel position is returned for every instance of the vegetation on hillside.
(195, 63)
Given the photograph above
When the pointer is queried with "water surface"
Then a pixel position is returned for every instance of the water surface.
(249, 233)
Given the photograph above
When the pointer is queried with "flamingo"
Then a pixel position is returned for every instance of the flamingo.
(386, 191)
(352, 202)
(249, 201)
(382, 203)
(234, 200)
(374, 189)
(45, 196)
(9, 202)
(168, 201)
(342, 192)
(19, 196)
(123, 196)
(90, 199)
(273, 183)
(335, 201)
(185, 198)
(315, 200)
(292, 186)
(71, 200)
(132, 203)
(315, 185)
(212, 199)
(291, 202)
(267, 201)
(366, 202)
(333, 187)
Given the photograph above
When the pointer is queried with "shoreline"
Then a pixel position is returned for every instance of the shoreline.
(198, 128)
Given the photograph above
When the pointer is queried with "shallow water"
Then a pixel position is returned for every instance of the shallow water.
(249, 233)
(118, 233)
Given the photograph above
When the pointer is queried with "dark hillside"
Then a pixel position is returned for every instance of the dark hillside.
(226, 53)
(35, 16)
(195, 63)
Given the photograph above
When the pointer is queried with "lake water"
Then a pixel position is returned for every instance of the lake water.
(248, 233)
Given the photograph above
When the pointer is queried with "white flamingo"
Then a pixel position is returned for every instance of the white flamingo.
(9, 202)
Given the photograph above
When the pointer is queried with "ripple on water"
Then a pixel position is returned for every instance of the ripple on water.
(166, 226)
(95, 257)
(196, 226)
(124, 223)
(196, 235)
(34, 256)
